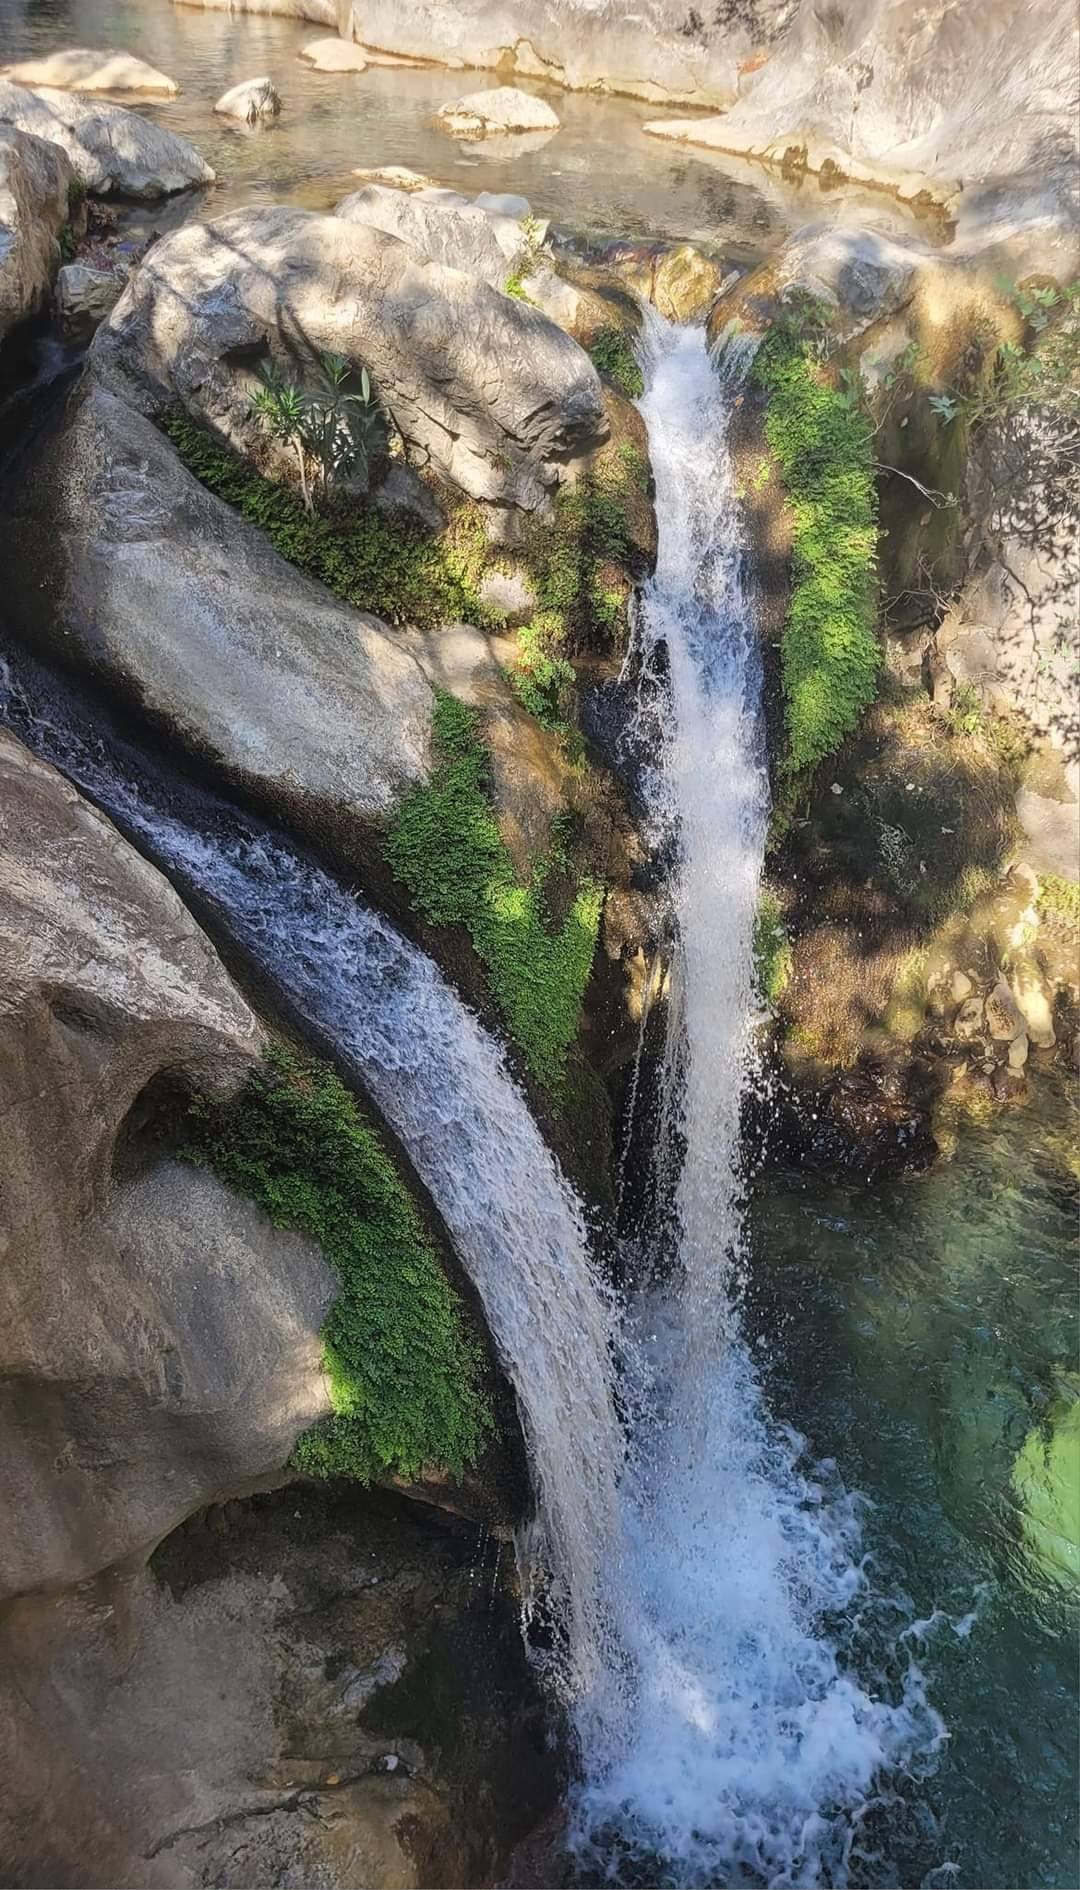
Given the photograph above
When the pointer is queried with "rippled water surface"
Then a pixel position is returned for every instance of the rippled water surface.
(598, 173)
(925, 1336)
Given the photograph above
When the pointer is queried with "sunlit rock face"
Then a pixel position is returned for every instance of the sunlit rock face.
(483, 388)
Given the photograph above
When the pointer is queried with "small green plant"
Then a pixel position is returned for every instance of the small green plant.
(965, 714)
(445, 846)
(334, 434)
(773, 963)
(404, 1371)
(1060, 899)
(541, 676)
(398, 571)
(532, 231)
(821, 441)
(68, 242)
(612, 354)
(1044, 376)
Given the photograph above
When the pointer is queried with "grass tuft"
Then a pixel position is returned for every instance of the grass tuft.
(445, 846)
(396, 570)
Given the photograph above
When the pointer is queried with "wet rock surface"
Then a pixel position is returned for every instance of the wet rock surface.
(315, 1686)
(36, 181)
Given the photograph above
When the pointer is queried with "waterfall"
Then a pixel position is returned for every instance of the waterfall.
(703, 1584)
(444, 1086)
(746, 1747)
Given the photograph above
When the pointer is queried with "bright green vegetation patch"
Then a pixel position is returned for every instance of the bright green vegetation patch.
(612, 353)
(582, 562)
(772, 949)
(446, 847)
(396, 570)
(1060, 899)
(829, 655)
(405, 1374)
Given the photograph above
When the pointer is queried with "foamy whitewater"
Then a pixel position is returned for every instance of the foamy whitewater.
(745, 1752)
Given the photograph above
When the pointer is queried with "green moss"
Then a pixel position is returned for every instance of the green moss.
(612, 354)
(445, 846)
(829, 654)
(542, 676)
(582, 558)
(404, 1373)
(772, 949)
(1060, 899)
(396, 570)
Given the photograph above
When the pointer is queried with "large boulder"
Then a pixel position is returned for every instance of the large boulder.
(79, 69)
(159, 1339)
(35, 184)
(250, 101)
(131, 570)
(483, 388)
(311, 1688)
(111, 150)
(442, 226)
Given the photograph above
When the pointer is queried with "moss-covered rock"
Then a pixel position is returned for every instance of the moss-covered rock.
(404, 1369)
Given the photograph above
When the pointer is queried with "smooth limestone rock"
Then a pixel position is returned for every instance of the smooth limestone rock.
(86, 295)
(884, 93)
(488, 114)
(80, 69)
(110, 149)
(483, 388)
(453, 233)
(249, 101)
(132, 571)
(159, 1339)
(334, 55)
(35, 186)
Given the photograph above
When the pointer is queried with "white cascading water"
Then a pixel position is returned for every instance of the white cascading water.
(444, 1086)
(745, 1752)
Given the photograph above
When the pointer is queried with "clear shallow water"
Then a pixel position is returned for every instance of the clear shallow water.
(921, 1334)
(598, 173)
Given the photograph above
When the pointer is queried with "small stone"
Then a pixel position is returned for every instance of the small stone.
(836, 788)
(1002, 1015)
(511, 593)
(84, 295)
(334, 55)
(1018, 1051)
(960, 987)
(969, 1019)
(251, 100)
(487, 114)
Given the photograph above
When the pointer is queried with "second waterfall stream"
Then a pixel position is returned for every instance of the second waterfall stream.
(747, 1748)
(701, 1585)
